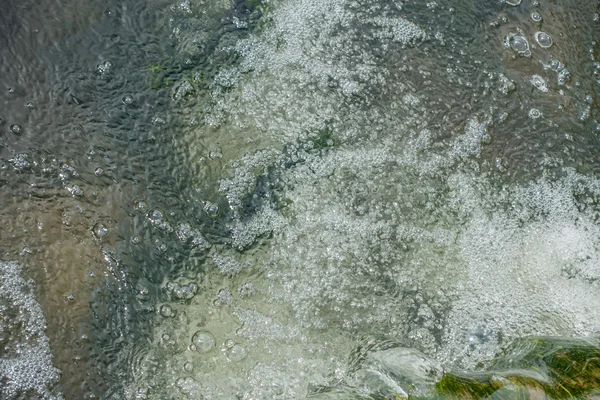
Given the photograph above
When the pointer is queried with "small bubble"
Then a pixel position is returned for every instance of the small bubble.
(166, 310)
(519, 44)
(236, 353)
(513, 2)
(71, 297)
(188, 367)
(539, 83)
(543, 39)
(534, 113)
(30, 105)
(136, 240)
(203, 341)
(211, 209)
(141, 206)
(186, 293)
(156, 215)
(98, 171)
(177, 291)
(11, 90)
(128, 100)
(536, 16)
(17, 129)
(100, 231)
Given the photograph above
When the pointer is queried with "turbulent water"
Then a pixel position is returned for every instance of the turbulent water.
(247, 199)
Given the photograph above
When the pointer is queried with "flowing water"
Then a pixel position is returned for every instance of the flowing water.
(288, 199)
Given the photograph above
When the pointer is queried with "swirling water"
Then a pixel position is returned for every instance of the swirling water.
(223, 199)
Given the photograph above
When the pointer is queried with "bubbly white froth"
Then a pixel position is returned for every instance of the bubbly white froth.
(28, 365)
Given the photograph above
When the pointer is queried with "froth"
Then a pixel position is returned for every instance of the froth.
(27, 365)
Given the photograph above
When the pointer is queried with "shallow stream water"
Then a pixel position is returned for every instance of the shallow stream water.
(288, 199)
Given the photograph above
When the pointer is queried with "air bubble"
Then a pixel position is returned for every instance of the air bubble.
(513, 3)
(536, 16)
(188, 366)
(100, 231)
(17, 129)
(166, 310)
(141, 206)
(128, 100)
(543, 39)
(236, 353)
(98, 171)
(30, 105)
(534, 113)
(211, 209)
(539, 83)
(203, 341)
(157, 215)
(518, 44)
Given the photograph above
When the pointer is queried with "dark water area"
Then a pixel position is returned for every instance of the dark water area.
(159, 158)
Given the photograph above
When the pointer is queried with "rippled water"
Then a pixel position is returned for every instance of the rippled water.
(263, 199)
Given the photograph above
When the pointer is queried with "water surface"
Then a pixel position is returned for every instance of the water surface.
(223, 200)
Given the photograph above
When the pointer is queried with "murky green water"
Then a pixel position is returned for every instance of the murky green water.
(299, 199)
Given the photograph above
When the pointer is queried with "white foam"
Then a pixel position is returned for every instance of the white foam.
(28, 366)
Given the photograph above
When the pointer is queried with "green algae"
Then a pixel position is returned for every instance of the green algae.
(560, 368)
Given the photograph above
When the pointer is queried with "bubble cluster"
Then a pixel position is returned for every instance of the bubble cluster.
(26, 364)
(185, 233)
(182, 291)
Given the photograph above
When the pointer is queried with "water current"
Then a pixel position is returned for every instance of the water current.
(289, 199)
